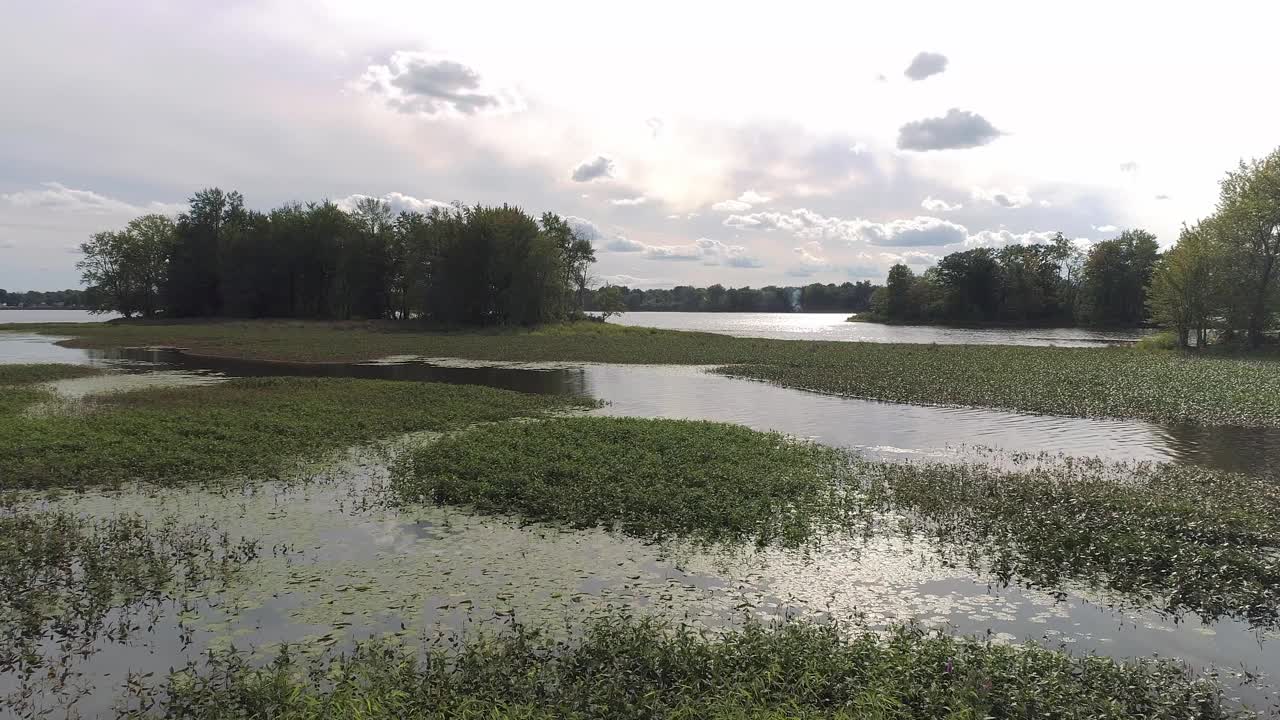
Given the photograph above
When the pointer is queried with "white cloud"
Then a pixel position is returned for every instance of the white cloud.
(597, 168)
(5, 243)
(1105, 228)
(704, 250)
(917, 231)
(398, 202)
(655, 126)
(810, 259)
(731, 206)
(933, 204)
(1001, 238)
(630, 202)
(56, 197)
(621, 243)
(752, 197)
(1001, 198)
(1129, 167)
(584, 228)
(418, 83)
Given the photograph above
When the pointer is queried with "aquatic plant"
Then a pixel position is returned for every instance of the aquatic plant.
(30, 373)
(1082, 382)
(249, 427)
(619, 667)
(651, 478)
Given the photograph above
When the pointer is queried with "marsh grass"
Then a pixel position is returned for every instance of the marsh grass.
(651, 478)
(1176, 538)
(69, 580)
(31, 373)
(256, 428)
(1171, 387)
(622, 668)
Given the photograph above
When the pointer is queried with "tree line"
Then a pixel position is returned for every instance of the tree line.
(43, 299)
(1221, 278)
(816, 297)
(454, 265)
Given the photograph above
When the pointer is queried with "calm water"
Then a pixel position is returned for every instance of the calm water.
(430, 568)
(832, 326)
(53, 316)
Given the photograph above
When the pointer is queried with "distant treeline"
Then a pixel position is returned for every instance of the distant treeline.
(846, 297)
(1223, 275)
(454, 265)
(51, 298)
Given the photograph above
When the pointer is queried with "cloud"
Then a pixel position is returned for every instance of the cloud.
(926, 64)
(584, 228)
(753, 198)
(630, 202)
(620, 243)
(1001, 198)
(417, 83)
(917, 231)
(632, 280)
(56, 197)
(933, 204)
(398, 202)
(704, 250)
(1105, 228)
(6, 244)
(1129, 167)
(956, 130)
(810, 259)
(1162, 196)
(597, 168)
(655, 126)
(1001, 238)
(731, 206)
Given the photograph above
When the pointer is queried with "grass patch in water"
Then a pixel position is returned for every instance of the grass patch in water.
(258, 427)
(651, 478)
(1178, 538)
(621, 668)
(63, 575)
(1081, 382)
(31, 373)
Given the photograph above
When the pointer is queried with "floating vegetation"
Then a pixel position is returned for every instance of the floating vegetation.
(621, 667)
(71, 582)
(653, 479)
(1178, 538)
(248, 427)
(43, 372)
(1081, 382)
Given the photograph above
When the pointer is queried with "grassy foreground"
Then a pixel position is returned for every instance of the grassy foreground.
(1177, 539)
(1084, 382)
(258, 427)
(621, 668)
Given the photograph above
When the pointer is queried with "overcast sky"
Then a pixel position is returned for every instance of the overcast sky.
(696, 142)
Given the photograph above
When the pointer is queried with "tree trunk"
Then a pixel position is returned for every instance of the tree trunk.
(1183, 334)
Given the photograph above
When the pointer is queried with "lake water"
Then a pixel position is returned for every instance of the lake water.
(352, 571)
(834, 327)
(53, 316)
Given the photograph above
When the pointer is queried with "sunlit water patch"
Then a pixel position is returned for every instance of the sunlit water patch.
(336, 565)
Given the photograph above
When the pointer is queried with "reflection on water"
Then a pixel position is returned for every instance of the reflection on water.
(351, 573)
(833, 326)
(876, 428)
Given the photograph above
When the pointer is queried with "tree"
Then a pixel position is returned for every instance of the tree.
(129, 268)
(1183, 288)
(897, 304)
(1247, 225)
(1116, 275)
(609, 301)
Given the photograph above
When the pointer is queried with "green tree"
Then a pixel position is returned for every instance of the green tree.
(609, 301)
(1184, 285)
(129, 268)
(1116, 275)
(1247, 226)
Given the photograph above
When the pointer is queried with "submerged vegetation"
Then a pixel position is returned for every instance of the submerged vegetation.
(652, 478)
(619, 667)
(241, 427)
(1081, 382)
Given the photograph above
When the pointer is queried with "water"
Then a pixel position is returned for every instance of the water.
(875, 428)
(833, 326)
(53, 316)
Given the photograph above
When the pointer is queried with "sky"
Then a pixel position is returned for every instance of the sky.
(694, 143)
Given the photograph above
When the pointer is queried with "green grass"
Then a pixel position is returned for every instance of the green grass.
(38, 373)
(63, 574)
(622, 669)
(652, 478)
(1170, 387)
(1178, 539)
(258, 427)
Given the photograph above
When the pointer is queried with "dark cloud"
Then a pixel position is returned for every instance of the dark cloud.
(414, 83)
(956, 130)
(598, 168)
(926, 64)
